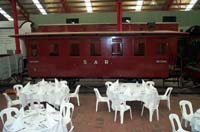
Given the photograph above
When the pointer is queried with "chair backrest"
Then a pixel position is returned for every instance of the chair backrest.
(98, 95)
(168, 91)
(108, 84)
(174, 118)
(8, 99)
(34, 104)
(77, 89)
(67, 109)
(8, 113)
(183, 105)
(150, 83)
(17, 88)
(64, 82)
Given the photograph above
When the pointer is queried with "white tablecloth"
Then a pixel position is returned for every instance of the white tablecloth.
(53, 93)
(38, 121)
(195, 121)
(131, 92)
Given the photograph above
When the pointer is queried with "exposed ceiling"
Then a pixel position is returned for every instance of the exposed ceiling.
(27, 7)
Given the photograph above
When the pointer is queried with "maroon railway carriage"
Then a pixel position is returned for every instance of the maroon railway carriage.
(99, 51)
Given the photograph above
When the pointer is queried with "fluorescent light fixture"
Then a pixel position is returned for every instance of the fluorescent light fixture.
(39, 6)
(88, 6)
(139, 5)
(153, 2)
(6, 15)
(191, 5)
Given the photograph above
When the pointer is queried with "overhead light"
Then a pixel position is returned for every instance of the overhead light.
(39, 6)
(191, 5)
(139, 5)
(6, 15)
(88, 6)
(153, 2)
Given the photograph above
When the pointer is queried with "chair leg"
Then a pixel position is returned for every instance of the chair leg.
(142, 110)
(131, 114)
(150, 115)
(97, 106)
(121, 117)
(115, 118)
(77, 97)
(157, 112)
(186, 122)
(168, 104)
(108, 105)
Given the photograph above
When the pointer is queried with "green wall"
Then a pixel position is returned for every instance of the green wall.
(185, 19)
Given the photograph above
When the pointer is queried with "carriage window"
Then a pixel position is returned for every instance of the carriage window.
(139, 48)
(95, 48)
(34, 50)
(116, 49)
(161, 49)
(53, 50)
(74, 49)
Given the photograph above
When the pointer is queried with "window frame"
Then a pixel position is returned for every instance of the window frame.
(137, 49)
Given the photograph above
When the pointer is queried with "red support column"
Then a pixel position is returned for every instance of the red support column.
(119, 15)
(14, 10)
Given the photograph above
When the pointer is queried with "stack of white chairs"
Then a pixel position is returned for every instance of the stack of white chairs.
(174, 119)
(166, 96)
(99, 98)
(75, 94)
(11, 102)
(186, 115)
(67, 109)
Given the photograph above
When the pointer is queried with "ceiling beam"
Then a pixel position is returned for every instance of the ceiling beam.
(64, 3)
(22, 11)
(169, 4)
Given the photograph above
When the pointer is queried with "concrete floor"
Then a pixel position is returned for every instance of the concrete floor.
(85, 119)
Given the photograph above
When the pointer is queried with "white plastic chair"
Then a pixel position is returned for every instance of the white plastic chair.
(99, 98)
(9, 113)
(186, 115)
(121, 107)
(17, 88)
(66, 111)
(174, 118)
(11, 102)
(152, 105)
(166, 96)
(75, 94)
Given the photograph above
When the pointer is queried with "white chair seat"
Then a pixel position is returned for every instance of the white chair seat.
(16, 102)
(104, 99)
(162, 97)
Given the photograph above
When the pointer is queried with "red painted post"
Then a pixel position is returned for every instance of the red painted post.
(14, 10)
(119, 15)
